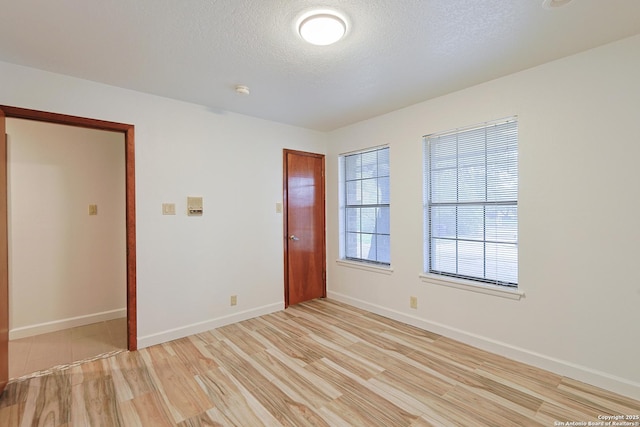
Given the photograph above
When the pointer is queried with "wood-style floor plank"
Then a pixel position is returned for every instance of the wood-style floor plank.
(319, 363)
(178, 388)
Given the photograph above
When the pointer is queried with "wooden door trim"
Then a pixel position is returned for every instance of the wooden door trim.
(285, 211)
(128, 131)
(4, 263)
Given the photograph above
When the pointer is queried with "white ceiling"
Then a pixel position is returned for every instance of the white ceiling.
(396, 52)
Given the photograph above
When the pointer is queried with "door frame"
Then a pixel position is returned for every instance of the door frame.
(128, 131)
(285, 211)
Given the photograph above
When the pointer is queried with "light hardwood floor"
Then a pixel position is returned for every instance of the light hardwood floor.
(319, 363)
(42, 352)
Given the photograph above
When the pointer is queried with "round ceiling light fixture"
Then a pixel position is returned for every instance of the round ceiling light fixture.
(322, 28)
(553, 4)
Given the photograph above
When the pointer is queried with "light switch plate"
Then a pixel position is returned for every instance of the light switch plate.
(168, 209)
(278, 207)
(93, 209)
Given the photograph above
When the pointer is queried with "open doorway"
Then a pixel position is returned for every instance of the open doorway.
(126, 147)
(67, 244)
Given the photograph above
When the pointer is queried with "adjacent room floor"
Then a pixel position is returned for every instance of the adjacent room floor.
(42, 352)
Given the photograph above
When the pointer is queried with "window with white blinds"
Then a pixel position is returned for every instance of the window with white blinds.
(471, 203)
(365, 206)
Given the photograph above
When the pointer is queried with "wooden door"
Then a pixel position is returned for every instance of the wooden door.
(4, 262)
(304, 196)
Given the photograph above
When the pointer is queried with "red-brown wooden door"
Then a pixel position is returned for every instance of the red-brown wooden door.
(4, 262)
(304, 224)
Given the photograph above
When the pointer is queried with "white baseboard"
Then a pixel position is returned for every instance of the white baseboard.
(207, 325)
(558, 366)
(71, 322)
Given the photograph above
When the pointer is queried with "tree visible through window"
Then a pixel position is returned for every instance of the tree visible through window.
(366, 206)
(471, 203)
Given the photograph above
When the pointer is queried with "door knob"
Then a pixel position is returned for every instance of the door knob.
(294, 238)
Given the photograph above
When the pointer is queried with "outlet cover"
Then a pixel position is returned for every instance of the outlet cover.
(413, 302)
(234, 300)
(93, 209)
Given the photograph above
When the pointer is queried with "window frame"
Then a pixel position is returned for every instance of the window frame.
(466, 281)
(344, 208)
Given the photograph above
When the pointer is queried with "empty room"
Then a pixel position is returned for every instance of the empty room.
(362, 213)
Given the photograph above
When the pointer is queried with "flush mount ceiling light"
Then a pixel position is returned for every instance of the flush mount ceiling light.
(553, 4)
(322, 28)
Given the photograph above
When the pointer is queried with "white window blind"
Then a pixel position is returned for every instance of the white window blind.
(471, 203)
(365, 219)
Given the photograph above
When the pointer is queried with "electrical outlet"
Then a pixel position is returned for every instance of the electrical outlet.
(234, 300)
(413, 302)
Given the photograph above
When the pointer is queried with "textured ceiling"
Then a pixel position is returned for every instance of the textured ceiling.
(396, 52)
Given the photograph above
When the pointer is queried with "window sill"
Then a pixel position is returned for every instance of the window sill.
(469, 285)
(364, 266)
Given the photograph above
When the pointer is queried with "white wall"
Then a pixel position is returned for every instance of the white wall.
(66, 268)
(188, 267)
(579, 204)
